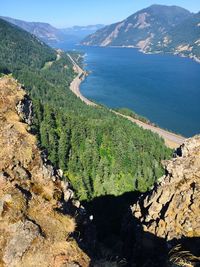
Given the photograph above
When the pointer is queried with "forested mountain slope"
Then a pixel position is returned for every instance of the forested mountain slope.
(54, 36)
(44, 31)
(99, 153)
(19, 49)
(183, 39)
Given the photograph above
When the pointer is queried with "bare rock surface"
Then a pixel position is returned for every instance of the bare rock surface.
(37, 214)
(171, 209)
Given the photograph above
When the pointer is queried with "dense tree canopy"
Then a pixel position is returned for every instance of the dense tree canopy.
(99, 152)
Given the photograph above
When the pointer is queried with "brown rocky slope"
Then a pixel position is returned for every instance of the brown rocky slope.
(38, 215)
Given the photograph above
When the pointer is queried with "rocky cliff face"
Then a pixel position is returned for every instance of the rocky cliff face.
(39, 217)
(171, 210)
(169, 214)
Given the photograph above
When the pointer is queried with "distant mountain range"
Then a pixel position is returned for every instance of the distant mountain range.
(53, 36)
(154, 29)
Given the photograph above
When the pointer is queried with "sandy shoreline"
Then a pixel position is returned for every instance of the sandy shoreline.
(171, 140)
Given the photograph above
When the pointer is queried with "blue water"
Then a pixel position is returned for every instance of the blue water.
(163, 88)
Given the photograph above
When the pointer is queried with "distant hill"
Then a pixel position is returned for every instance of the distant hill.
(18, 49)
(82, 31)
(140, 29)
(157, 28)
(183, 39)
(43, 31)
(52, 35)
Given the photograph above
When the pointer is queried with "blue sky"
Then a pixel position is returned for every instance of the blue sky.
(62, 13)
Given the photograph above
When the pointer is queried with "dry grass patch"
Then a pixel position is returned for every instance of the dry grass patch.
(54, 225)
(14, 206)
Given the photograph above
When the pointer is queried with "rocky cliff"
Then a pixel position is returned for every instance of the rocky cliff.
(170, 212)
(39, 218)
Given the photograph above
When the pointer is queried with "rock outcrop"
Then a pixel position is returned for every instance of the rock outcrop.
(38, 215)
(167, 218)
(171, 209)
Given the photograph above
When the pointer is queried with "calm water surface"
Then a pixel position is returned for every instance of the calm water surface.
(163, 88)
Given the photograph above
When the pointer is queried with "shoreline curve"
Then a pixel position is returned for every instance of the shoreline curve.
(172, 140)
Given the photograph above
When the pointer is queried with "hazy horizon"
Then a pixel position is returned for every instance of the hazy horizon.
(79, 13)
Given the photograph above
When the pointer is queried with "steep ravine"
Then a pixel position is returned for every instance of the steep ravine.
(162, 228)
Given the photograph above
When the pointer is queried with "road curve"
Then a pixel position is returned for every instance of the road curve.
(75, 84)
(171, 140)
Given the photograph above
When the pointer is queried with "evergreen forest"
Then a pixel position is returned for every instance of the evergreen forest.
(98, 151)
